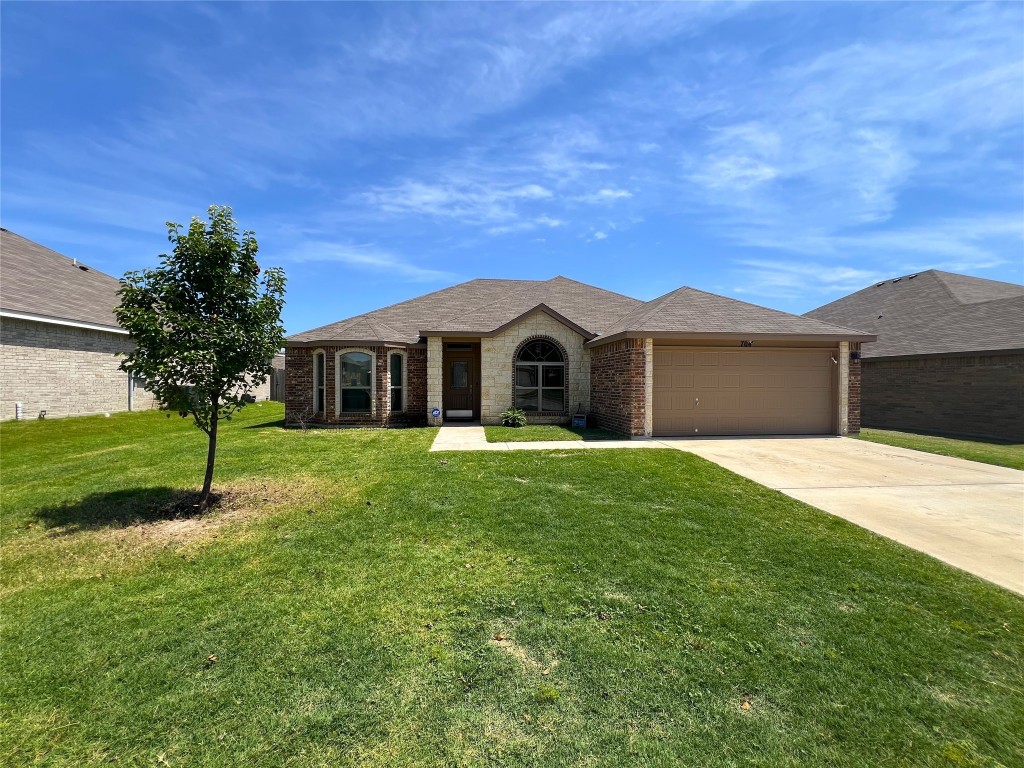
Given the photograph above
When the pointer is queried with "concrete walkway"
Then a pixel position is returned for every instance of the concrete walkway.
(965, 513)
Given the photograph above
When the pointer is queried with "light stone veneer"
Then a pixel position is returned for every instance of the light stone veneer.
(435, 378)
(63, 370)
(648, 387)
(496, 362)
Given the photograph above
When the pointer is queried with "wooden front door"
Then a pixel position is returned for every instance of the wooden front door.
(462, 384)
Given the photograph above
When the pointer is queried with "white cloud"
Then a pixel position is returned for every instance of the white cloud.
(793, 280)
(606, 195)
(526, 225)
(366, 257)
(469, 200)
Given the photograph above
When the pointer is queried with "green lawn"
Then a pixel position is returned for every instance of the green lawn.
(988, 451)
(537, 432)
(356, 600)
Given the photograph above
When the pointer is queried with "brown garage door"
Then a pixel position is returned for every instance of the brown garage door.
(740, 391)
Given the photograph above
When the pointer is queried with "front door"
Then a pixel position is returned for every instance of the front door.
(461, 384)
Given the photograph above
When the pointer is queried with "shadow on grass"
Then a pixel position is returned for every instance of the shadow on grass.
(1004, 441)
(276, 424)
(117, 509)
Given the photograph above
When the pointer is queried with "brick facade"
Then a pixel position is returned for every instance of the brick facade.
(299, 388)
(970, 395)
(618, 386)
(63, 370)
(853, 388)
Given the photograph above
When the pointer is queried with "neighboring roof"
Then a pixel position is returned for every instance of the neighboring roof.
(486, 307)
(688, 312)
(46, 285)
(933, 312)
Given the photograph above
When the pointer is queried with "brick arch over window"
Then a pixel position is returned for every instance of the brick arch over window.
(517, 389)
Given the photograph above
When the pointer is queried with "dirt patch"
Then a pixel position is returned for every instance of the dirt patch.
(520, 654)
(180, 519)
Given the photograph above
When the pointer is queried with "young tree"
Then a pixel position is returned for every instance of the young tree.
(205, 323)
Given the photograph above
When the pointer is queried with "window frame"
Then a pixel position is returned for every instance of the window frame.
(323, 381)
(403, 384)
(539, 366)
(338, 361)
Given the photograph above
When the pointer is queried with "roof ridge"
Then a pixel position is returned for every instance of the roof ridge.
(506, 297)
(648, 307)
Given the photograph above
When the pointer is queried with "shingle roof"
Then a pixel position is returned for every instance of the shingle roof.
(933, 312)
(477, 306)
(38, 281)
(587, 306)
(688, 311)
(486, 306)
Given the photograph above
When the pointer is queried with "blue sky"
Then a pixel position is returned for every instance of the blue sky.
(785, 154)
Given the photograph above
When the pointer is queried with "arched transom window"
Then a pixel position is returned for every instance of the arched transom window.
(540, 377)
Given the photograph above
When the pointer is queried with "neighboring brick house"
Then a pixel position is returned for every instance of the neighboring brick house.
(60, 346)
(949, 357)
(686, 363)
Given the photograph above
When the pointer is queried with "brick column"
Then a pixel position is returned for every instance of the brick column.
(853, 398)
(435, 378)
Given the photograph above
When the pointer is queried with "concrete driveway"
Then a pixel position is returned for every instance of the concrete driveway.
(968, 514)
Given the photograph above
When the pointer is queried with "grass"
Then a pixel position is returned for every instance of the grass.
(538, 432)
(356, 600)
(1003, 454)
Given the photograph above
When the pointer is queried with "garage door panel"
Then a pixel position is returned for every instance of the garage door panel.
(743, 392)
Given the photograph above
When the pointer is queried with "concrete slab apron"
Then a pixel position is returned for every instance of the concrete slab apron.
(968, 514)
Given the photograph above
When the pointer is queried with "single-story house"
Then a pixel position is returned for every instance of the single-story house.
(687, 363)
(60, 344)
(949, 357)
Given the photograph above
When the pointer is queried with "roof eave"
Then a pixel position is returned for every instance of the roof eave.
(328, 342)
(862, 337)
(17, 315)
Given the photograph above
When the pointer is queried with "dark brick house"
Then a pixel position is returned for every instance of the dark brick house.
(687, 363)
(949, 358)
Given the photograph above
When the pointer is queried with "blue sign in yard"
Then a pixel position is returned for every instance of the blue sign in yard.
(436, 412)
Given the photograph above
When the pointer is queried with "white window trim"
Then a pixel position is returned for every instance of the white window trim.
(405, 379)
(320, 351)
(373, 379)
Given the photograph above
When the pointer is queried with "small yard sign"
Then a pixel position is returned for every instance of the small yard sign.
(579, 420)
(436, 412)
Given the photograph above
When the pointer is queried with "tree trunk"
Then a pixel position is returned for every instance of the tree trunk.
(211, 456)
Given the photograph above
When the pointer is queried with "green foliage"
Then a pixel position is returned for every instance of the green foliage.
(513, 417)
(205, 323)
